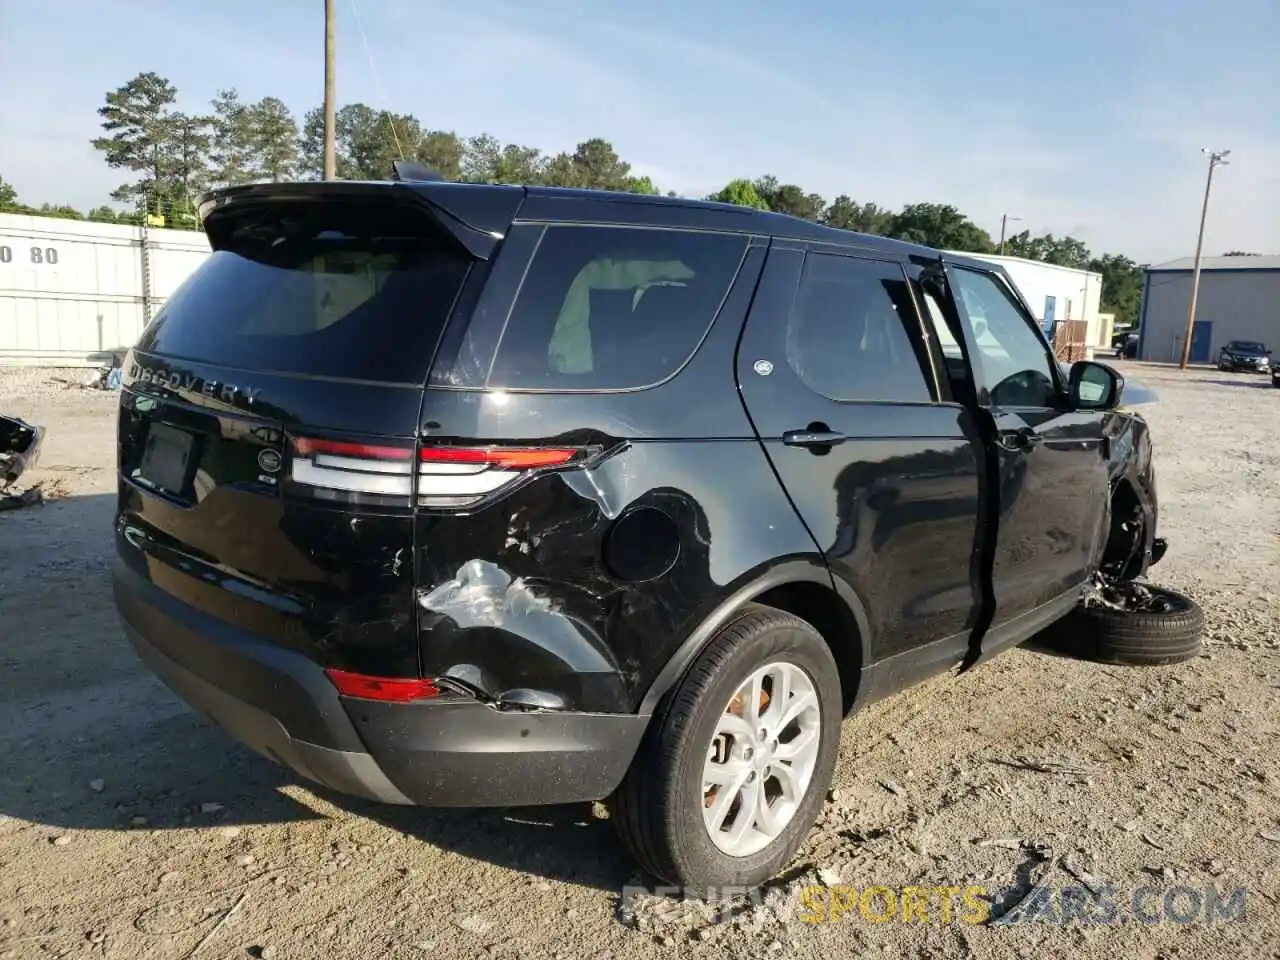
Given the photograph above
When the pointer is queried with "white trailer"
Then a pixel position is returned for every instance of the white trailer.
(71, 290)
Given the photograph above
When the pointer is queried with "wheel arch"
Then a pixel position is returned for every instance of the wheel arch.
(803, 588)
(1123, 554)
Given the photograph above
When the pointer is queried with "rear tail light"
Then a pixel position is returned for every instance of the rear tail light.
(375, 472)
(386, 689)
(460, 476)
(381, 472)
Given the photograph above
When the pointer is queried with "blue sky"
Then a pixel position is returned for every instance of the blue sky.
(1082, 117)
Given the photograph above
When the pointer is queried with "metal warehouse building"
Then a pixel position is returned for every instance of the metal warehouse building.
(70, 289)
(1239, 299)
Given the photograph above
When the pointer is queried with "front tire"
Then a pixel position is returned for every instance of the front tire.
(1166, 627)
(737, 761)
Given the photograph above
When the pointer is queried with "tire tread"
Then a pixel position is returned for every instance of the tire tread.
(1139, 639)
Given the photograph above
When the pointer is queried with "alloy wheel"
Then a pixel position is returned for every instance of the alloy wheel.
(761, 759)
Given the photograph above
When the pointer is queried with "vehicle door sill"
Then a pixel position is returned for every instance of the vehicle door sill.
(1023, 627)
(896, 673)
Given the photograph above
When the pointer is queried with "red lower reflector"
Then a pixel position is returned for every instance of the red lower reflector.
(386, 689)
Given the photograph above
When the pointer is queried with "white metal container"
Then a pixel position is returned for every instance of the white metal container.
(70, 289)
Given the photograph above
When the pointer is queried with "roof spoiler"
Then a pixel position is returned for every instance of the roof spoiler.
(477, 224)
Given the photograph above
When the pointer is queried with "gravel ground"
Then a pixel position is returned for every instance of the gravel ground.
(131, 828)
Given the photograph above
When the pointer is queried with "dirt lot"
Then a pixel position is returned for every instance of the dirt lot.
(129, 827)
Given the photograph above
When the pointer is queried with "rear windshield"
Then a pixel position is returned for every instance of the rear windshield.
(341, 295)
(609, 308)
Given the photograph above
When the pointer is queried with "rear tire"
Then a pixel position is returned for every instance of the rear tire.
(1172, 631)
(662, 809)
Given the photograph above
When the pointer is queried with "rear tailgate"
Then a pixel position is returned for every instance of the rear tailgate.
(269, 417)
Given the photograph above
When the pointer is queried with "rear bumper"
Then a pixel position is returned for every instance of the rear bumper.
(435, 753)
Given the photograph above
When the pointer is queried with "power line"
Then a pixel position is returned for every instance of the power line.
(377, 77)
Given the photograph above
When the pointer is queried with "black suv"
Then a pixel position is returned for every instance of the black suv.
(1246, 355)
(461, 494)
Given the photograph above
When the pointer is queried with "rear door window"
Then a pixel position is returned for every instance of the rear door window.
(613, 308)
(340, 294)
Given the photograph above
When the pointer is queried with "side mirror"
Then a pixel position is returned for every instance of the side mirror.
(1094, 386)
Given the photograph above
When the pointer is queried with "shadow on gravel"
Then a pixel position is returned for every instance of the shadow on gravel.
(92, 741)
(1264, 383)
(564, 843)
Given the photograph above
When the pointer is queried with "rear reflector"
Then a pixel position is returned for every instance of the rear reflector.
(386, 689)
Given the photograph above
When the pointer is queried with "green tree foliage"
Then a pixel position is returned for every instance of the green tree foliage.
(368, 141)
(846, 214)
(273, 140)
(1121, 286)
(176, 155)
(486, 160)
(789, 199)
(1063, 251)
(1240, 253)
(231, 155)
(594, 164)
(105, 214)
(441, 151)
(939, 225)
(9, 198)
(138, 134)
(187, 172)
(741, 192)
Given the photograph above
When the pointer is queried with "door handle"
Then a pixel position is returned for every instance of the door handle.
(813, 438)
(1023, 438)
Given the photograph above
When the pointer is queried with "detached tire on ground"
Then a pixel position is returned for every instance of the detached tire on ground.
(1166, 627)
(737, 761)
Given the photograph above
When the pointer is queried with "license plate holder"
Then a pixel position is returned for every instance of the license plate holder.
(166, 458)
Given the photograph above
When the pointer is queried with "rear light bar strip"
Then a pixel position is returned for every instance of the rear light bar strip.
(446, 476)
(514, 458)
(460, 476)
(353, 481)
(353, 470)
(308, 446)
(364, 464)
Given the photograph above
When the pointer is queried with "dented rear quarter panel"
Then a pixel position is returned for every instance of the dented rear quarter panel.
(533, 599)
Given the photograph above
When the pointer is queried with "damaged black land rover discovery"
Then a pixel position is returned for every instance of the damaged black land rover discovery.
(452, 494)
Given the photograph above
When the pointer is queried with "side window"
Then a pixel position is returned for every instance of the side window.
(609, 308)
(847, 337)
(1015, 364)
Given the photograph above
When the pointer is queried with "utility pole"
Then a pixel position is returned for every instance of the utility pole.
(330, 111)
(1216, 158)
(1004, 222)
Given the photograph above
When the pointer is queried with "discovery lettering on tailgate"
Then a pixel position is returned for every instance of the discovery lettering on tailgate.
(226, 392)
